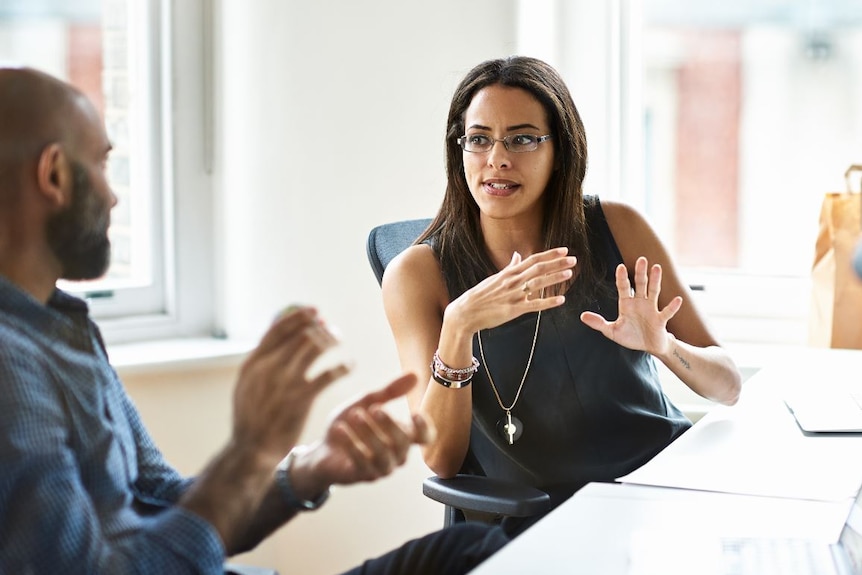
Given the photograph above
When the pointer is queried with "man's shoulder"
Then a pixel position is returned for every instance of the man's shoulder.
(29, 363)
(17, 340)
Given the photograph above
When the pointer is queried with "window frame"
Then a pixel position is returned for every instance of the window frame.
(743, 307)
(181, 179)
(119, 299)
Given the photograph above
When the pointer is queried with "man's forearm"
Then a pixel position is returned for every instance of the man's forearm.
(271, 514)
(303, 489)
(230, 494)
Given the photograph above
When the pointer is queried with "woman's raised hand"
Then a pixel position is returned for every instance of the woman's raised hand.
(517, 289)
(640, 324)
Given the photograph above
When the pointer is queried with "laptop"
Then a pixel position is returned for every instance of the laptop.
(721, 555)
(833, 411)
(744, 556)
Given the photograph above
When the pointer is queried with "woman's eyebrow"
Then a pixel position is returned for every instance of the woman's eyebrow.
(509, 129)
(521, 127)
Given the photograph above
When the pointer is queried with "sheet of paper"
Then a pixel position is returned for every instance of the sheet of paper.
(756, 448)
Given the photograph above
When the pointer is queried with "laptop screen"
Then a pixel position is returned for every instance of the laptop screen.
(851, 535)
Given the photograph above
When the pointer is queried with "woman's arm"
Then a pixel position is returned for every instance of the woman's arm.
(415, 300)
(662, 318)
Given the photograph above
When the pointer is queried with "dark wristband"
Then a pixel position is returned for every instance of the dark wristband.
(451, 384)
(282, 479)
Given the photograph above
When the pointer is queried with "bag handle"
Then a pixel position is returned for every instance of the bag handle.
(850, 170)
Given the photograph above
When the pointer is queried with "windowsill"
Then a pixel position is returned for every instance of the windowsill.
(190, 353)
(178, 354)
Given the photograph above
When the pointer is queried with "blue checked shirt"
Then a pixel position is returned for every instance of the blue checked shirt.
(77, 467)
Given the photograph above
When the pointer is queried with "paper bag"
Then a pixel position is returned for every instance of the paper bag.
(836, 291)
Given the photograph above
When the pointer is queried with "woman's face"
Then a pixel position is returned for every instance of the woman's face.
(507, 184)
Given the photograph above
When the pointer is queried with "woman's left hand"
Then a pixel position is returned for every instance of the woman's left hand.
(640, 324)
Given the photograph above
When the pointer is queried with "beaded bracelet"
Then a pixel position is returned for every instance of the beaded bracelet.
(451, 377)
(438, 366)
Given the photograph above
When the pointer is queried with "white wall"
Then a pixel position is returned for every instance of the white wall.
(330, 120)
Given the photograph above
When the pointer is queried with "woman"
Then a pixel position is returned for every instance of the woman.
(553, 305)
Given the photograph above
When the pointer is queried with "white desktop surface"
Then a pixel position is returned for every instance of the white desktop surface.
(592, 533)
(746, 470)
(755, 447)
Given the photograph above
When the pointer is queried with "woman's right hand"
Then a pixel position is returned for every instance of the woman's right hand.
(423, 320)
(513, 291)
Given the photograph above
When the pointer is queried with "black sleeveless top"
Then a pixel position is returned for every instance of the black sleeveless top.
(591, 409)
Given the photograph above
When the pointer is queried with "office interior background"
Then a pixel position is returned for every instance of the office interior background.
(257, 142)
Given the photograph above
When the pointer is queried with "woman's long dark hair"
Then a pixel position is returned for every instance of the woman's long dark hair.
(455, 232)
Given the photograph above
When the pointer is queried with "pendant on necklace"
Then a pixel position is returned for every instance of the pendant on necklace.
(510, 428)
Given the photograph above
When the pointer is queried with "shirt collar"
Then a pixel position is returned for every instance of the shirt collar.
(61, 313)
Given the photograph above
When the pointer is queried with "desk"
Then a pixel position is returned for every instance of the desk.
(681, 494)
(591, 533)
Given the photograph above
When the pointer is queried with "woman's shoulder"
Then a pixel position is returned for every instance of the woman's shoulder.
(415, 267)
(415, 258)
(632, 232)
(613, 209)
(622, 218)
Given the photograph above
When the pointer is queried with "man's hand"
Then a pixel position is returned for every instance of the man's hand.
(362, 443)
(272, 399)
(275, 393)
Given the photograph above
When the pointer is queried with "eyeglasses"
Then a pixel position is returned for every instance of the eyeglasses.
(480, 143)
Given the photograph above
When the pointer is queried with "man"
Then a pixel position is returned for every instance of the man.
(83, 488)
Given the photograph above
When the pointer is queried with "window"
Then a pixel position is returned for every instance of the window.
(750, 111)
(118, 52)
(725, 123)
(94, 46)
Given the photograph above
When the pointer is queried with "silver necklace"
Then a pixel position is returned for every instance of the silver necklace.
(510, 428)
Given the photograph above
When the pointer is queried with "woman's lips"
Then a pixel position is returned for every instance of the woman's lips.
(500, 188)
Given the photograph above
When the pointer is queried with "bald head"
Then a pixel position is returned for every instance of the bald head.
(35, 110)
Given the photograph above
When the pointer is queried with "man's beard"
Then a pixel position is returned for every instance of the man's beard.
(78, 235)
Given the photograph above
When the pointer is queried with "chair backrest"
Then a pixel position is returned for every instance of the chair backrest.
(388, 240)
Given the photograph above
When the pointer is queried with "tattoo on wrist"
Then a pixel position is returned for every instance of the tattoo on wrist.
(681, 359)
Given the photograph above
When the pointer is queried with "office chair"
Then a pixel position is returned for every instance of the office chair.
(469, 495)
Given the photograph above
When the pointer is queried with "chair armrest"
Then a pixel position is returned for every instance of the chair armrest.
(234, 569)
(486, 495)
